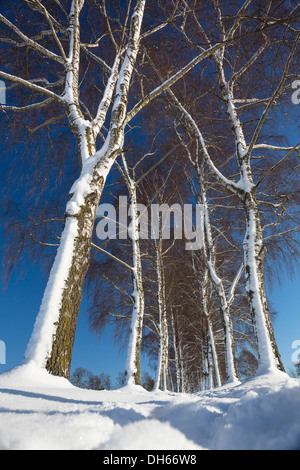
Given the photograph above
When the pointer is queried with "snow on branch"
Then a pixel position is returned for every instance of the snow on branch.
(274, 97)
(107, 96)
(29, 107)
(234, 284)
(225, 182)
(274, 167)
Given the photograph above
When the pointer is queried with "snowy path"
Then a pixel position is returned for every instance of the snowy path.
(38, 411)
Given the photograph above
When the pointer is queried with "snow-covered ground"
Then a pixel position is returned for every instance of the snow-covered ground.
(38, 411)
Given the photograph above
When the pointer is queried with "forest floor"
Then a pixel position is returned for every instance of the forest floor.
(40, 412)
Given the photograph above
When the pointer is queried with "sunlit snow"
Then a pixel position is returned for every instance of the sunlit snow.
(39, 411)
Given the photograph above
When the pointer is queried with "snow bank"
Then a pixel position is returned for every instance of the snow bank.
(261, 414)
(148, 435)
(38, 411)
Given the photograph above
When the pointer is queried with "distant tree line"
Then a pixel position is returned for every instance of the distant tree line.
(84, 378)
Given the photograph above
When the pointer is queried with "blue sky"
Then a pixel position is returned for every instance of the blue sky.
(285, 299)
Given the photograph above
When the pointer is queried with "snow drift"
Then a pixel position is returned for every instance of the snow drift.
(39, 411)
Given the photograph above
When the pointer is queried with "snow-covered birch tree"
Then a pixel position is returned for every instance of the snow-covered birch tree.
(207, 248)
(133, 363)
(54, 332)
(246, 187)
(161, 377)
(231, 68)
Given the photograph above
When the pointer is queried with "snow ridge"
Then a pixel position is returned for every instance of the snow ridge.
(39, 411)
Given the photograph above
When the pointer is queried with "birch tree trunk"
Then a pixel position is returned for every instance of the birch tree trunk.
(207, 383)
(210, 333)
(182, 368)
(177, 361)
(230, 363)
(254, 254)
(209, 257)
(133, 364)
(254, 250)
(161, 380)
(52, 340)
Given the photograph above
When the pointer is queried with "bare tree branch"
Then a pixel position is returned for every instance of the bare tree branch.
(31, 43)
(112, 256)
(29, 84)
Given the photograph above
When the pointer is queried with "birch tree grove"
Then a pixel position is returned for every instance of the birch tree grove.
(246, 188)
(211, 77)
(53, 336)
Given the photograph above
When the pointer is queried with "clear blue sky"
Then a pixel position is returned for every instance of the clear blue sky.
(285, 299)
(19, 305)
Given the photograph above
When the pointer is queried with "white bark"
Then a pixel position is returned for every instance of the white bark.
(177, 361)
(133, 367)
(208, 249)
(254, 251)
(211, 338)
(95, 168)
(182, 369)
(209, 254)
(161, 379)
(133, 362)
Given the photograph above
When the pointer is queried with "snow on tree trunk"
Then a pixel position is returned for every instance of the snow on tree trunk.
(207, 243)
(207, 369)
(254, 253)
(182, 369)
(133, 364)
(209, 256)
(161, 379)
(177, 362)
(210, 333)
(52, 340)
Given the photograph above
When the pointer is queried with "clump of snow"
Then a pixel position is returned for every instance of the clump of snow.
(39, 411)
(147, 435)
